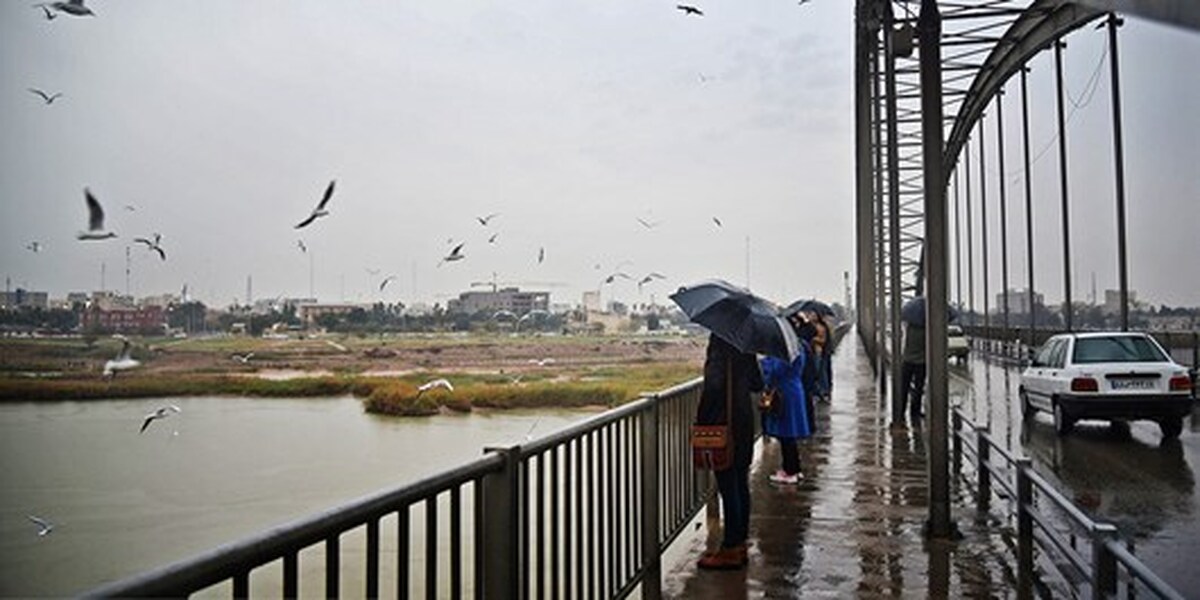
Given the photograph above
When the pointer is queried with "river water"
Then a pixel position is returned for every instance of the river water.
(223, 468)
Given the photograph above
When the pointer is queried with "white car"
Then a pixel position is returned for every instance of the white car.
(1113, 376)
(956, 343)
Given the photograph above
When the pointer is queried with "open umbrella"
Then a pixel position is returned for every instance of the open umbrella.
(913, 312)
(748, 322)
(810, 305)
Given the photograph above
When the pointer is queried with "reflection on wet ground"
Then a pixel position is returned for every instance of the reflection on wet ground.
(852, 527)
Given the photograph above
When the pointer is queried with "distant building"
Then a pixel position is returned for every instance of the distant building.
(74, 298)
(163, 300)
(124, 319)
(1017, 301)
(591, 301)
(1112, 301)
(309, 313)
(24, 299)
(510, 299)
(111, 300)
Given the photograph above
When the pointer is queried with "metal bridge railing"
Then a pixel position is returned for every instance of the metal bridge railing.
(583, 512)
(1048, 522)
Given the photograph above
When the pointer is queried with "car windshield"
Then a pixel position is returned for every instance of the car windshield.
(1124, 348)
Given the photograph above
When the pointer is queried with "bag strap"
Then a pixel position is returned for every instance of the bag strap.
(729, 391)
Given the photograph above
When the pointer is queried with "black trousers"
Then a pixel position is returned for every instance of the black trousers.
(789, 451)
(912, 383)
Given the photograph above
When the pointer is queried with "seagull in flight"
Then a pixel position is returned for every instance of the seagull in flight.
(455, 254)
(301, 246)
(95, 220)
(34, 246)
(49, 15)
(155, 245)
(492, 239)
(614, 276)
(436, 383)
(541, 254)
(319, 211)
(47, 98)
(44, 526)
(541, 362)
(649, 224)
(162, 413)
(485, 220)
(717, 221)
(71, 7)
(124, 361)
(648, 278)
(130, 207)
(386, 280)
(690, 10)
(243, 358)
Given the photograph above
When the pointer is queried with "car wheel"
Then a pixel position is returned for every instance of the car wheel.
(1171, 427)
(1063, 424)
(1027, 409)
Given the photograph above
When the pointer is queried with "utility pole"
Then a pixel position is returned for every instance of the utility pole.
(249, 290)
(127, 271)
(103, 268)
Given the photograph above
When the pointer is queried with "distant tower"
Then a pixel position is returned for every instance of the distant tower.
(1093, 288)
(127, 271)
(249, 290)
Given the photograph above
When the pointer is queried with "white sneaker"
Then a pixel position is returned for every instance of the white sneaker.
(782, 477)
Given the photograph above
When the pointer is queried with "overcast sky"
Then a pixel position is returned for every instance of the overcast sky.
(222, 122)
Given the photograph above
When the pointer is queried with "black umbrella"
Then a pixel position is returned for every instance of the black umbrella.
(913, 312)
(749, 323)
(810, 305)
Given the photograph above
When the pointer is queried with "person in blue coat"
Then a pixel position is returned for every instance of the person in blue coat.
(788, 419)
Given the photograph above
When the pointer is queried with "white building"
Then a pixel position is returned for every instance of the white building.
(1017, 301)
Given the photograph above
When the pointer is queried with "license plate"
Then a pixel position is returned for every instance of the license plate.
(1133, 384)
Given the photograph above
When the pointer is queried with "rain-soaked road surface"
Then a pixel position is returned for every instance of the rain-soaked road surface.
(852, 528)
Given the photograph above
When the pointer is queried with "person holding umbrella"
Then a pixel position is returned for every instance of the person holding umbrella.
(788, 419)
(728, 370)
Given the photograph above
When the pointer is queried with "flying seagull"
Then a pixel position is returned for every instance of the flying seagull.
(34, 247)
(386, 280)
(649, 224)
(301, 246)
(130, 207)
(95, 220)
(648, 278)
(455, 254)
(717, 221)
(541, 254)
(492, 239)
(690, 10)
(49, 15)
(484, 220)
(71, 7)
(155, 245)
(614, 276)
(243, 358)
(44, 526)
(436, 383)
(319, 211)
(541, 362)
(162, 413)
(47, 98)
(124, 361)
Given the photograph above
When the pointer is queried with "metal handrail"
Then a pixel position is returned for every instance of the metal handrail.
(1107, 551)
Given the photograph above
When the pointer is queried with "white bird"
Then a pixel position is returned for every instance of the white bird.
(319, 211)
(484, 220)
(71, 7)
(123, 361)
(436, 383)
(614, 276)
(34, 246)
(243, 358)
(162, 413)
(717, 221)
(47, 98)
(155, 245)
(95, 220)
(130, 207)
(541, 362)
(492, 238)
(455, 254)
(648, 278)
(44, 526)
(386, 280)
(541, 254)
(301, 246)
(649, 224)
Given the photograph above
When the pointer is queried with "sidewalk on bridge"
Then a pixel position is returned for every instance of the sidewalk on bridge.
(853, 526)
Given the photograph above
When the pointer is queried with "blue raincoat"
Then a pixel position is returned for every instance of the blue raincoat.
(790, 418)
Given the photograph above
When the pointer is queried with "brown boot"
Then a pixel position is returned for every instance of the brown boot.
(725, 559)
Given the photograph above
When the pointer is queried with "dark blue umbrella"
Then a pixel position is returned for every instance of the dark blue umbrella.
(749, 323)
(810, 305)
(913, 312)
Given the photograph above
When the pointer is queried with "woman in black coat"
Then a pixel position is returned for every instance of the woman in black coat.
(728, 370)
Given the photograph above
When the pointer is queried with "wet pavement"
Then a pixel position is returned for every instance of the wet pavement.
(853, 526)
